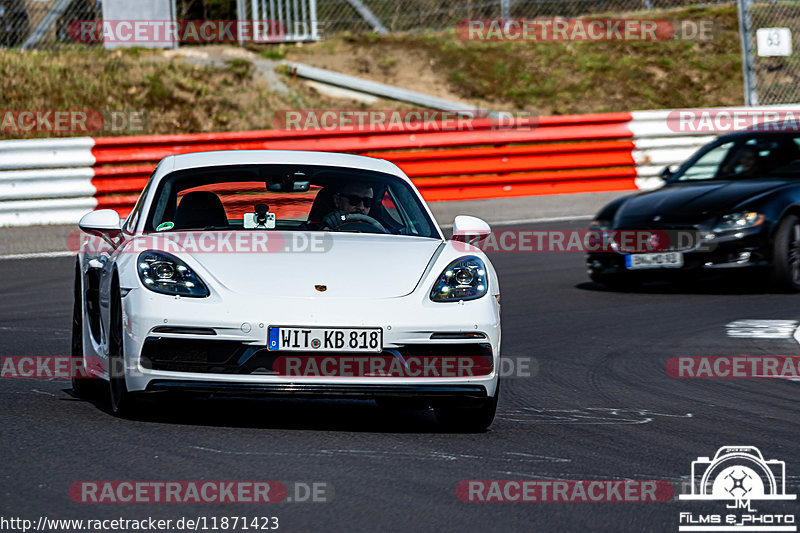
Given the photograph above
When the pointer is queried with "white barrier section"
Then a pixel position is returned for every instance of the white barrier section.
(49, 181)
(661, 142)
(46, 181)
(658, 146)
(43, 212)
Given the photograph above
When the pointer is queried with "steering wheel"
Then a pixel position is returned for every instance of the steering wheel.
(361, 224)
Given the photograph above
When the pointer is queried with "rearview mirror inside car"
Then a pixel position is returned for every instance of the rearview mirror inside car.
(288, 186)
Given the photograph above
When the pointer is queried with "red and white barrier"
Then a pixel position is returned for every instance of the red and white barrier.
(56, 181)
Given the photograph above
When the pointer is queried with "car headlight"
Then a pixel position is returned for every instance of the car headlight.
(166, 274)
(463, 279)
(737, 221)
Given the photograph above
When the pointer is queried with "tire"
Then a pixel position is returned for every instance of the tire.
(122, 402)
(83, 387)
(786, 255)
(468, 418)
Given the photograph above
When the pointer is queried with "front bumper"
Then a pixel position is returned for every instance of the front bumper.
(316, 390)
(746, 249)
(182, 329)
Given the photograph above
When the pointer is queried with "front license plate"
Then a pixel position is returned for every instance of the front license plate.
(660, 260)
(294, 339)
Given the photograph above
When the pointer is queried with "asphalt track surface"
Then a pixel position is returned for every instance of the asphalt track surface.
(600, 406)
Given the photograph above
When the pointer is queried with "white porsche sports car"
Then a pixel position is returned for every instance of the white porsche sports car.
(287, 273)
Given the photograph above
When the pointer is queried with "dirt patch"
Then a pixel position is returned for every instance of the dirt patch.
(549, 77)
(398, 63)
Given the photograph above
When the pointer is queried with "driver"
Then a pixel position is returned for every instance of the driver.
(744, 164)
(353, 198)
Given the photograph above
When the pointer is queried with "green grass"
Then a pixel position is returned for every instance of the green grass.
(175, 96)
(276, 53)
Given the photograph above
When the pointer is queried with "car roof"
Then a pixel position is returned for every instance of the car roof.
(761, 130)
(249, 157)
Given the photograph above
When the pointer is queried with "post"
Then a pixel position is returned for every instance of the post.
(746, 36)
(505, 9)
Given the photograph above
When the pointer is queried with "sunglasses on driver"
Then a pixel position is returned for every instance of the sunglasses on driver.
(355, 199)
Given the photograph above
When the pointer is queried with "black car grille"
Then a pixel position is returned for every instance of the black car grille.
(665, 238)
(233, 357)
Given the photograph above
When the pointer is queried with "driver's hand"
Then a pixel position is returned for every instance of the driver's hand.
(334, 219)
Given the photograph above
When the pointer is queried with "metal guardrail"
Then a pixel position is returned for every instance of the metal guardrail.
(375, 88)
(49, 181)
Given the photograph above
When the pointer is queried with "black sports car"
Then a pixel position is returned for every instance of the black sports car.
(735, 204)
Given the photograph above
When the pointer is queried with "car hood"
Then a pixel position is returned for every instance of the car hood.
(690, 203)
(349, 265)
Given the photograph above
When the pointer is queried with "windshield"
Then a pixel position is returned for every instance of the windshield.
(744, 158)
(289, 198)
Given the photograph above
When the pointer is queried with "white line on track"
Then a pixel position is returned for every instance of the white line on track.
(515, 457)
(66, 253)
(531, 220)
(763, 329)
(38, 255)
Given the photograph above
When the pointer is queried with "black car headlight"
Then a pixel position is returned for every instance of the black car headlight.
(166, 274)
(740, 220)
(463, 279)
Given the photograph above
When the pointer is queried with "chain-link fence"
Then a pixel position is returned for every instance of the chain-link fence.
(419, 15)
(770, 30)
(770, 79)
(44, 24)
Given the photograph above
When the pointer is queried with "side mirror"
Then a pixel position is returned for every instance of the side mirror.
(470, 229)
(103, 223)
(665, 173)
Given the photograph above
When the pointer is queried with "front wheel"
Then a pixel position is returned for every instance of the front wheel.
(121, 401)
(82, 385)
(786, 254)
(468, 418)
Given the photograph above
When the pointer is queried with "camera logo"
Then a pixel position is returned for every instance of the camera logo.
(739, 475)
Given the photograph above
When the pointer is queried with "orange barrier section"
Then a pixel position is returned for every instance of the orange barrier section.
(560, 154)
